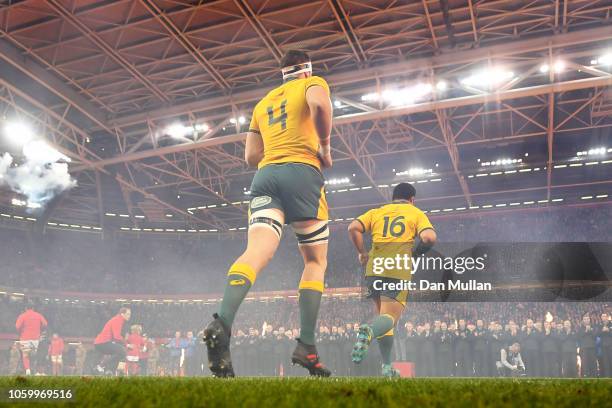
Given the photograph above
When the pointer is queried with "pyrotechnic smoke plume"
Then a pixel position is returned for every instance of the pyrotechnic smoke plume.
(42, 175)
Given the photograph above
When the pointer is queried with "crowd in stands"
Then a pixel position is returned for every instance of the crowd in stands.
(438, 339)
(123, 263)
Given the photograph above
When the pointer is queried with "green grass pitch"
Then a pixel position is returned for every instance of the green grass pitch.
(311, 392)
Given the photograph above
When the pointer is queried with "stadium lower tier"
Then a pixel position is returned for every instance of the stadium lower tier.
(432, 339)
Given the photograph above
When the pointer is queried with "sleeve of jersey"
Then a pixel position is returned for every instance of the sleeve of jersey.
(254, 126)
(423, 223)
(366, 221)
(317, 81)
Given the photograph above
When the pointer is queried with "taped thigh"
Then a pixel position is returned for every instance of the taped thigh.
(315, 234)
(267, 218)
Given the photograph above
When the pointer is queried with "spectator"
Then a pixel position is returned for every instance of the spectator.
(569, 344)
(177, 354)
(134, 344)
(56, 350)
(191, 364)
(551, 354)
(605, 334)
(587, 343)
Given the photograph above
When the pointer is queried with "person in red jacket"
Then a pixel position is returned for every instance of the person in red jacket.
(29, 324)
(56, 349)
(135, 344)
(110, 342)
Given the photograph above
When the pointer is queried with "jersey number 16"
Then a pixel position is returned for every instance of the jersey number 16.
(396, 227)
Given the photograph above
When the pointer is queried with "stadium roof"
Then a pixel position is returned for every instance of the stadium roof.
(483, 104)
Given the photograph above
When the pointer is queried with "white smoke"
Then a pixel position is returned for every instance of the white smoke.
(5, 163)
(42, 175)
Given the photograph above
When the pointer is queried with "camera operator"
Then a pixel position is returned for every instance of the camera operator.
(511, 363)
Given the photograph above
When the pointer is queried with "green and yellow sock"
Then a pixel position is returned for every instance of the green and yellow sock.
(240, 278)
(385, 342)
(310, 293)
(382, 324)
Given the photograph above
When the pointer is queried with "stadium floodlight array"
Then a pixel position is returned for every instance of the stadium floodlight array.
(180, 131)
(402, 96)
(18, 203)
(488, 78)
(558, 67)
(337, 181)
(605, 59)
(500, 162)
(415, 171)
(240, 120)
(597, 151)
(201, 127)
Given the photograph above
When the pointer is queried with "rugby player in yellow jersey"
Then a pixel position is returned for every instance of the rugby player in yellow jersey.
(289, 142)
(394, 228)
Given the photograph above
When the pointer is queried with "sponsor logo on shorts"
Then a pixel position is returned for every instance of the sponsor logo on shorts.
(260, 201)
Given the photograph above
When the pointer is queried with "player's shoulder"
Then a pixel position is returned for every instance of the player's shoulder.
(259, 104)
(416, 209)
(272, 93)
(316, 80)
(376, 211)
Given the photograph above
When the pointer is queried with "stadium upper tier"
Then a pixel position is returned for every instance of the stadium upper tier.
(179, 264)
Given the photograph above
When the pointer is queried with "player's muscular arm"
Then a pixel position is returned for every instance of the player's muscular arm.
(427, 239)
(321, 113)
(355, 230)
(254, 150)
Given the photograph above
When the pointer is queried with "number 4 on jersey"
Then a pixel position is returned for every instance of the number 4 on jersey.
(282, 118)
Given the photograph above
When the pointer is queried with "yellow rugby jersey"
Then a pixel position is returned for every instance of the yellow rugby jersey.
(394, 228)
(282, 118)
